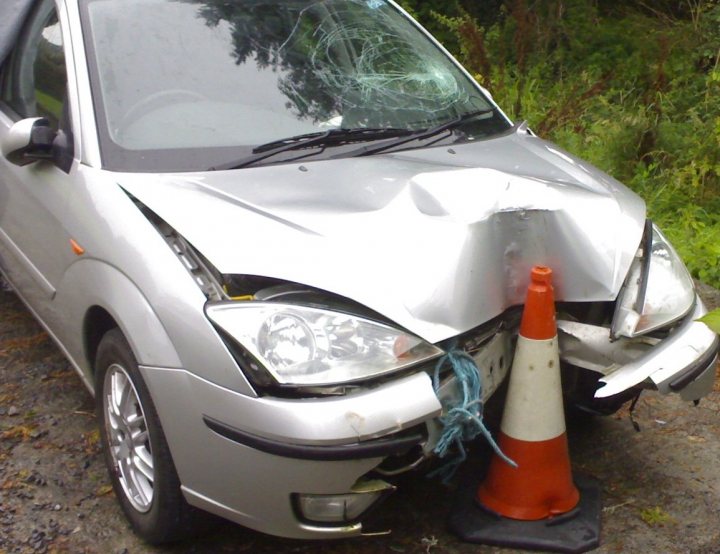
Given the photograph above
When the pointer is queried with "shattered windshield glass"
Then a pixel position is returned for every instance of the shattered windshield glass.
(201, 81)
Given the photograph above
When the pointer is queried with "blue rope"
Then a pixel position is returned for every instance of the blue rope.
(462, 422)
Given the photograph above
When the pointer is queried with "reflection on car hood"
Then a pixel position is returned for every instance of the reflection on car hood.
(438, 240)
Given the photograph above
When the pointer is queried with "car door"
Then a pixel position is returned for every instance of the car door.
(35, 248)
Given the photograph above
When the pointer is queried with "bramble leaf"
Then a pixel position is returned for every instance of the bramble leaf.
(712, 320)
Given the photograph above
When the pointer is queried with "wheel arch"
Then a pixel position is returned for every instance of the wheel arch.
(97, 323)
(98, 297)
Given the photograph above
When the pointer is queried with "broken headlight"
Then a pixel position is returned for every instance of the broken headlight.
(657, 291)
(301, 345)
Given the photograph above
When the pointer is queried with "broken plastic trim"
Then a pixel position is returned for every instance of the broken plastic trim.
(658, 290)
(681, 349)
(195, 264)
(646, 245)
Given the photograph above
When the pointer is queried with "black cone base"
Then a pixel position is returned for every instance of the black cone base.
(576, 531)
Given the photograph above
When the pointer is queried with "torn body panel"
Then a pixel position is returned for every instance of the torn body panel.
(682, 362)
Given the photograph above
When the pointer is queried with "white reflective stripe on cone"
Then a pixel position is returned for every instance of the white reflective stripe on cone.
(534, 404)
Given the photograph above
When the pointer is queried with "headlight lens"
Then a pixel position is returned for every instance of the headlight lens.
(311, 346)
(658, 290)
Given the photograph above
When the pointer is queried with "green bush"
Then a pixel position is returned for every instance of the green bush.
(633, 87)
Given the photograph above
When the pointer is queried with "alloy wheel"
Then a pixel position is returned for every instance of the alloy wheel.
(128, 438)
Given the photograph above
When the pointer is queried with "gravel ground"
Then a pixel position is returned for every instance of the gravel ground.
(661, 485)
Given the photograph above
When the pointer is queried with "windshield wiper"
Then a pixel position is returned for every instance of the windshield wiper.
(419, 135)
(331, 137)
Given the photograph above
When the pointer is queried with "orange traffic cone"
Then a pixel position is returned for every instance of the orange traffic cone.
(536, 504)
(532, 433)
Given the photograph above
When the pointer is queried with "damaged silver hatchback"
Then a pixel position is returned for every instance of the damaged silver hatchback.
(255, 226)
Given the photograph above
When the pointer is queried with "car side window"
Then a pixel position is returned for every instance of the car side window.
(37, 74)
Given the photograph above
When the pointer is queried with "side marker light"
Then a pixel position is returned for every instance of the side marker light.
(79, 250)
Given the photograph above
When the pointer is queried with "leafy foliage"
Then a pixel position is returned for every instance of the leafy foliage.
(655, 516)
(632, 86)
(712, 320)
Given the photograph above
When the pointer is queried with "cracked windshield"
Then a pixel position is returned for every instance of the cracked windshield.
(221, 77)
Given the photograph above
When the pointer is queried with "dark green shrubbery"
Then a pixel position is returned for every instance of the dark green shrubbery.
(632, 86)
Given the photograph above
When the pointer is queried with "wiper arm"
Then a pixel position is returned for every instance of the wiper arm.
(327, 138)
(419, 135)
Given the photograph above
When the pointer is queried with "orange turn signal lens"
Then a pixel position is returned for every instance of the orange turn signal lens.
(79, 250)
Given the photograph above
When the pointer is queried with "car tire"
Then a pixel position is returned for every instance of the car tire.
(136, 453)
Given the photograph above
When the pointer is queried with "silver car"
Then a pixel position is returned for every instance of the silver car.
(257, 227)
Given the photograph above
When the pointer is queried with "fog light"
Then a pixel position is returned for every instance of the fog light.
(342, 508)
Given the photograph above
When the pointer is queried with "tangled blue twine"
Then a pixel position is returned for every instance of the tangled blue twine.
(463, 421)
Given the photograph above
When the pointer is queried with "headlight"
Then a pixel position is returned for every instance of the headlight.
(310, 346)
(658, 289)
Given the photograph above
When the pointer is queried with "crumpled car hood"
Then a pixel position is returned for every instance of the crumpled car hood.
(438, 240)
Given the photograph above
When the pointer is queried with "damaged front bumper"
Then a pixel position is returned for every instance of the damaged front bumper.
(267, 462)
(682, 362)
(280, 465)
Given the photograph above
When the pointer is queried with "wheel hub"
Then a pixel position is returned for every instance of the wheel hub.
(128, 438)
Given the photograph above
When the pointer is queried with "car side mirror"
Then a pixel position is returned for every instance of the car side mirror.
(28, 141)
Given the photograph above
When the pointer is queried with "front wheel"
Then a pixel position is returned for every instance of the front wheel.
(136, 453)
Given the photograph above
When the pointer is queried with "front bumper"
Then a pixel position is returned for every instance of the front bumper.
(683, 362)
(244, 458)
